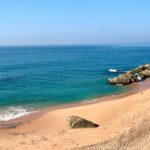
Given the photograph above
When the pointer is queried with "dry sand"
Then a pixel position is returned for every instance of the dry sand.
(124, 124)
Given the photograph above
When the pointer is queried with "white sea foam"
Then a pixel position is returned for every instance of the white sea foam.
(13, 113)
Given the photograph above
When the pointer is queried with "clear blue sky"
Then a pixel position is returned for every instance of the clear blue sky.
(29, 22)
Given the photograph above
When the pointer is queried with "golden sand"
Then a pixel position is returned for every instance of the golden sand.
(50, 131)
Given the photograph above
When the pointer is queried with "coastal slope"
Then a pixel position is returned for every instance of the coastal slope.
(124, 124)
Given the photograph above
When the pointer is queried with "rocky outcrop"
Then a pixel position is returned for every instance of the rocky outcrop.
(145, 73)
(121, 79)
(77, 122)
(136, 70)
(131, 76)
(147, 66)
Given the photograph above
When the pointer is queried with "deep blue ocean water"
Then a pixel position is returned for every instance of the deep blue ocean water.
(41, 76)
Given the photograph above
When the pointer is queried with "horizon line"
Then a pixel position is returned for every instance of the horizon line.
(77, 44)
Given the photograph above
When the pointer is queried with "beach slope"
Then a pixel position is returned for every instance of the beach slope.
(124, 124)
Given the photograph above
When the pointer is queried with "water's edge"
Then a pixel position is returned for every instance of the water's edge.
(132, 89)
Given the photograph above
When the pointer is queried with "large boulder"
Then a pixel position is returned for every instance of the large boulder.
(136, 70)
(121, 79)
(147, 66)
(145, 73)
(77, 122)
(113, 80)
(125, 78)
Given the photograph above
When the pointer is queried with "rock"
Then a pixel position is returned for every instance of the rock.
(136, 70)
(145, 73)
(128, 78)
(125, 78)
(135, 75)
(113, 80)
(77, 122)
(130, 72)
(121, 79)
(147, 66)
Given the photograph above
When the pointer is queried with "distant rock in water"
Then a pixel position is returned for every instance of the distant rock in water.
(77, 122)
(135, 75)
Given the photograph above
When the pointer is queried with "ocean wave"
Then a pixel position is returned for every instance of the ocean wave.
(11, 113)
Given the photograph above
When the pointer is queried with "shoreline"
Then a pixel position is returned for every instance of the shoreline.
(49, 129)
(132, 89)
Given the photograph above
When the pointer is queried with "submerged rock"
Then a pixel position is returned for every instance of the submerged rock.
(77, 122)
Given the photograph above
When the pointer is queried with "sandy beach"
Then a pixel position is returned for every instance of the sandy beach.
(74, 75)
(124, 124)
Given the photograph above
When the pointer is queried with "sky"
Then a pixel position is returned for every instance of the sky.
(52, 22)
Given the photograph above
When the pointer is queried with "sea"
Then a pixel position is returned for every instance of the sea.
(35, 77)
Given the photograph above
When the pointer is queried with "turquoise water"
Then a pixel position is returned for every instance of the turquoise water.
(40, 76)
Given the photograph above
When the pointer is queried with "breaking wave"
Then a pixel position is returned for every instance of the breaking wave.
(14, 112)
